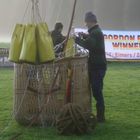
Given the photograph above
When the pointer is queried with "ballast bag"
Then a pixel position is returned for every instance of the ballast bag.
(16, 43)
(70, 50)
(29, 49)
(44, 43)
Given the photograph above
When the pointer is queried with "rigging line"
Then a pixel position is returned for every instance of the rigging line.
(33, 11)
(52, 12)
(59, 10)
(27, 7)
(49, 6)
(38, 11)
(5, 128)
(40, 98)
(70, 26)
(71, 22)
(46, 98)
(24, 93)
(14, 114)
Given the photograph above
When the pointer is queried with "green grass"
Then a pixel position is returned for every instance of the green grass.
(122, 97)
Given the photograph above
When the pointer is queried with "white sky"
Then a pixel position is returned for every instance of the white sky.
(111, 14)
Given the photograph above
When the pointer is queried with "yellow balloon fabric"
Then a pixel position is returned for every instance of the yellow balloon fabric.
(29, 49)
(16, 43)
(70, 50)
(44, 43)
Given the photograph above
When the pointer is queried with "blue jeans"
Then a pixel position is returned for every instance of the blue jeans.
(96, 81)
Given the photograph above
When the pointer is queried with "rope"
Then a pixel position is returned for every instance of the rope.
(72, 120)
(33, 11)
(59, 10)
(71, 22)
(38, 11)
(35, 14)
(15, 113)
(27, 7)
(46, 99)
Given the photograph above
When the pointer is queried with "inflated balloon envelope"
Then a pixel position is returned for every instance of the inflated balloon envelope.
(29, 48)
(16, 43)
(44, 43)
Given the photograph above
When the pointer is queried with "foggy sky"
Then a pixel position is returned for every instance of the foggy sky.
(111, 14)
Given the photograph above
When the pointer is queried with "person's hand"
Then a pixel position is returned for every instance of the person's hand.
(82, 35)
(73, 36)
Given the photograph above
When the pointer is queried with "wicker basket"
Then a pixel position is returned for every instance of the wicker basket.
(40, 91)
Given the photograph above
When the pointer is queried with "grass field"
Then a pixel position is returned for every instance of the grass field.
(122, 97)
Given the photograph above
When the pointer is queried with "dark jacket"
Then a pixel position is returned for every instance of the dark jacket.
(57, 37)
(94, 42)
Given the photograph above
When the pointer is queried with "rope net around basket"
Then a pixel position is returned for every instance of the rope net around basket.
(38, 99)
(72, 120)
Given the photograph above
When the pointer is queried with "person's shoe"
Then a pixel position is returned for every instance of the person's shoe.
(100, 114)
(100, 120)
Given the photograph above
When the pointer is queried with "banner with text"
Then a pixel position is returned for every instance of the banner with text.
(122, 45)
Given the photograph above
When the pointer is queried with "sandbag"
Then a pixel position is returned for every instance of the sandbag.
(70, 50)
(16, 43)
(45, 44)
(44, 26)
(29, 49)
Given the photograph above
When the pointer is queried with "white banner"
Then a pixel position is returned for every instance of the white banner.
(122, 45)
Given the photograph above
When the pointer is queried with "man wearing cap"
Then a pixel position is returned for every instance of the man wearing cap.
(94, 42)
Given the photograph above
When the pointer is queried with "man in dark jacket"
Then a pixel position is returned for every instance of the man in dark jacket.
(57, 36)
(94, 42)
